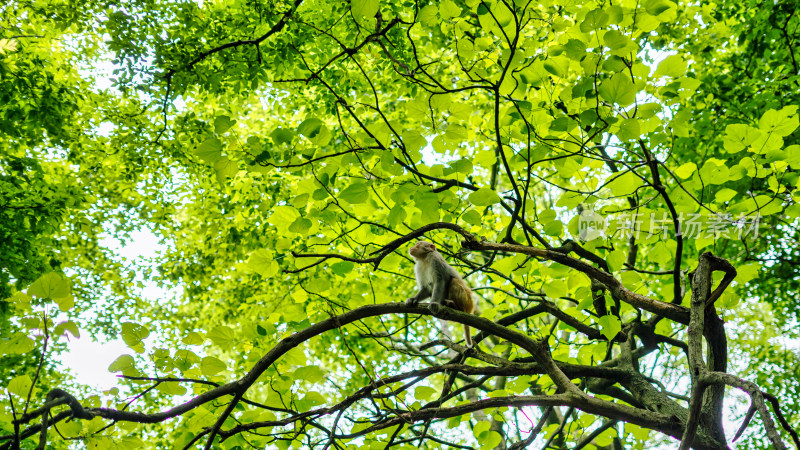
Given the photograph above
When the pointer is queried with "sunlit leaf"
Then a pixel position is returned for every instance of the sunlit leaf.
(610, 326)
(222, 336)
(263, 262)
(122, 364)
(672, 66)
(50, 285)
(618, 89)
(355, 193)
(364, 8)
(65, 326)
(312, 374)
(192, 338)
(210, 150)
(20, 385)
(484, 197)
(133, 334)
(211, 366)
(223, 124)
(17, 343)
(282, 136)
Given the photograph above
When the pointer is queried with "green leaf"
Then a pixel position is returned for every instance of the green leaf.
(283, 215)
(364, 8)
(65, 326)
(472, 217)
(686, 170)
(65, 303)
(225, 168)
(21, 298)
(211, 366)
(222, 336)
(414, 141)
(575, 50)
(50, 285)
(680, 123)
(638, 432)
(781, 123)
(484, 197)
(282, 136)
(356, 193)
(618, 89)
(448, 9)
(490, 439)
(133, 334)
(210, 150)
(747, 272)
(616, 258)
(554, 228)
(624, 184)
(262, 262)
(396, 215)
(629, 130)
(312, 374)
(301, 225)
(739, 136)
(312, 399)
(715, 172)
(455, 133)
(725, 194)
(609, 326)
(315, 130)
(657, 7)
(672, 66)
(426, 393)
(223, 124)
(171, 388)
(429, 15)
(185, 359)
(557, 65)
(193, 338)
(17, 344)
(122, 364)
(595, 19)
(20, 385)
(342, 267)
(8, 46)
(793, 156)
(619, 43)
(555, 288)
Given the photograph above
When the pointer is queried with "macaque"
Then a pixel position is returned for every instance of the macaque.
(439, 281)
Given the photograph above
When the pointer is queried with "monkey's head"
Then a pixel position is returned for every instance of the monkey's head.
(422, 249)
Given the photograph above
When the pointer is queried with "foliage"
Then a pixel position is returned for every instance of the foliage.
(613, 180)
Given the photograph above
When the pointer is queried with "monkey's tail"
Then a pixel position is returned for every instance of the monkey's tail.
(467, 336)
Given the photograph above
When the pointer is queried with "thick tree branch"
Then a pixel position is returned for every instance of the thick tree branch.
(560, 373)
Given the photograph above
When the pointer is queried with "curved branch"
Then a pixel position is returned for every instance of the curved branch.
(387, 248)
(671, 311)
(274, 29)
(757, 398)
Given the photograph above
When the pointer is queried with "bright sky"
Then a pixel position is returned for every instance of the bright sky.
(89, 360)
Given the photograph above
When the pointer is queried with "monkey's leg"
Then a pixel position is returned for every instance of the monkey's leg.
(437, 297)
(439, 292)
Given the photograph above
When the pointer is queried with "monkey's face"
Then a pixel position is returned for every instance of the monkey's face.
(421, 249)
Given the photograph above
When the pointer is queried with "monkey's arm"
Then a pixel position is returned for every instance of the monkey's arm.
(424, 292)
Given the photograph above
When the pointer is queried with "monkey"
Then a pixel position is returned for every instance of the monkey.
(439, 281)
